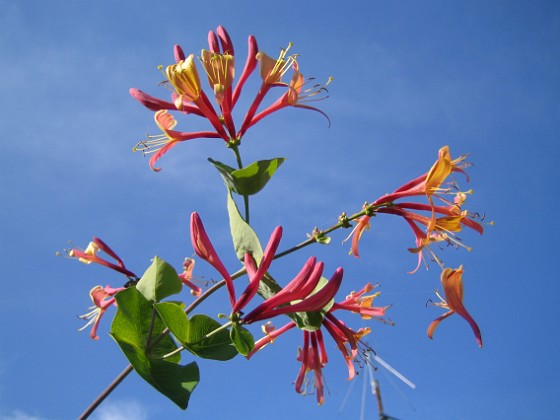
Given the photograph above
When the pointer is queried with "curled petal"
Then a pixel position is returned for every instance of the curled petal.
(452, 282)
(363, 224)
(435, 323)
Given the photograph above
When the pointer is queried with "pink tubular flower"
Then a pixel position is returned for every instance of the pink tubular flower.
(298, 296)
(102, 298)
(250, 65)
(281, 303)
(430, 183)
(356, 302)
(272, 70)
(205, 250)
(296, 96)
(452, 281)
(153, 104)
(256, 274)
(161, 144)
(313, 359)
(312, 354)
(90, 255)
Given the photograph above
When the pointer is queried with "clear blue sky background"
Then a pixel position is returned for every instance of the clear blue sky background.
(410, 77)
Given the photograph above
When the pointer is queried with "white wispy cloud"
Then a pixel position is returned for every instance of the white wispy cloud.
(121, 410)
(18, 415)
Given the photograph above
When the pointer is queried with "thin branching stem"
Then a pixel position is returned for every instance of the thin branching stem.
(235, 149)
(105, 393)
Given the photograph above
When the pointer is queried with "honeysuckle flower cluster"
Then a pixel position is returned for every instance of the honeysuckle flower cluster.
(218, 63)
(439, 223)
(104, 297)
(313, 355)
(300, 289)
(152, 326)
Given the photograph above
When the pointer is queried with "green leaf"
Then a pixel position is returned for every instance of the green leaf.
(175, 318)
(131, 329)
(217, 347)
(310, 321)
(244, 237)
(250, 179)
(225, 171)
(242, 339)
(191, 332)
(159, 281)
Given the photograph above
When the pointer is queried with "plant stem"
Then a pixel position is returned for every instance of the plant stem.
(105, 393)
(235, 149)
(368, 209)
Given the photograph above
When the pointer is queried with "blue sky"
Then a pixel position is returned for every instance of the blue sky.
(409, 77)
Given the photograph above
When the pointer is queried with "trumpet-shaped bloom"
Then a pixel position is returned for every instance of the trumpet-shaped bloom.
(272, 69)
(204, 249)
(296, 96)
(429, 184)
(313, 358)
(452, 282)
(90, 255)
(161, 144)
(220, 70)
(102, 298)
(356, 302)
(184, 78)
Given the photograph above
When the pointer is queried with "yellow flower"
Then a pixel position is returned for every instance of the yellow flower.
(220, 69)
(272, 70)
(183, 76)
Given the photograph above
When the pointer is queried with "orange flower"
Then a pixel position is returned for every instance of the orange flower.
(452, 282)
(356, 234)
